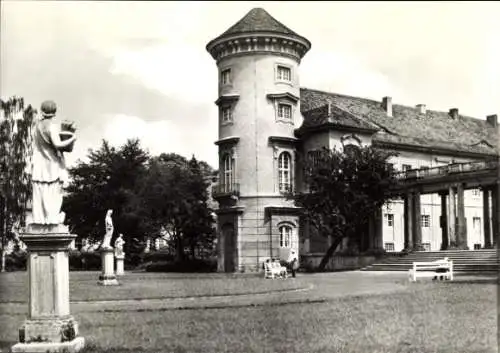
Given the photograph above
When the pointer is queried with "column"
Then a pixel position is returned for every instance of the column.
(408, 221)
(486, 219)
(495, 209)
(461, 225)
(452, 235)
(444, 221)
(417, 223)
(375, 240)
(379, 230)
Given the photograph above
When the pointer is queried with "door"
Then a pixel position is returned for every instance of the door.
(229, 247)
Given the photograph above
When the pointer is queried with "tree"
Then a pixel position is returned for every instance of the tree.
(16, 124)
(344, 189)
(107, 181)
(173, 197)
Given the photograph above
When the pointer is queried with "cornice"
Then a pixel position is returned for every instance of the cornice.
(284, 140)
(285, 95)
(227, 98)
(227, 141)
(259, 42)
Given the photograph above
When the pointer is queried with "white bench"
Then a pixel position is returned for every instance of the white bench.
(273, 270)
(428, 269)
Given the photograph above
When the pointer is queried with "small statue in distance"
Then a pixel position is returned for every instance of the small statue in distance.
(106, 243)
(119, 242)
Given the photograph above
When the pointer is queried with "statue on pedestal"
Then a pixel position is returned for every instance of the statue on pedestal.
(119, 242)
(106, 243)
(50, 140)
(48, 242)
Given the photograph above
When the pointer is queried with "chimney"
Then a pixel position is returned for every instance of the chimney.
(493, 120)
(387, 105)
(421, 108)
(330, 109)
(453, 113)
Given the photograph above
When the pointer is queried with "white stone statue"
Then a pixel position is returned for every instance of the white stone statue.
(106, 243)
(49, 168)
(119, 242)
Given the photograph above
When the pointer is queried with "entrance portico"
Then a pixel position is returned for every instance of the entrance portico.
(450, 182)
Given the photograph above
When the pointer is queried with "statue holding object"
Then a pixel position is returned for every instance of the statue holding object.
(50, 140)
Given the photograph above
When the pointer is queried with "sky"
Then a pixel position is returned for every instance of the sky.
(140, 69)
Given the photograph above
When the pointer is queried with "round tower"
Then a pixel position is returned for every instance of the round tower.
(259, 108)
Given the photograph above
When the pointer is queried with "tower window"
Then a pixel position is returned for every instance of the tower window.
(227, 172)
(225, 77)
(284, 111)
(284, 172)
(283, 73)
(227, 114)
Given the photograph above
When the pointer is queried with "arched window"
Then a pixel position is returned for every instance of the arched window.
(284, 172)
(286, 236)
(351, 149)
(227, 172)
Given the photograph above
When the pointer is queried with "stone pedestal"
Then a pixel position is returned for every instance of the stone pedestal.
(107, 276)
(120, 268)
(49, 326)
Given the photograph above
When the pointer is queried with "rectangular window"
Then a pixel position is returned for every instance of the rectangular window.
(225, 77)
(284, 73)
(389, 246)
(285, 111)
(227, 114)
(426, 221)
(476, 222)
(389, 219)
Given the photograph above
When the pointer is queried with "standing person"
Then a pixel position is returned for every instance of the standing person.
(48, 167)
(293, 262)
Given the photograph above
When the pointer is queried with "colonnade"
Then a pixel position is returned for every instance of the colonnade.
(452, 220)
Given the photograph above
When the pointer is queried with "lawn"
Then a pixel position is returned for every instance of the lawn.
(339, 312)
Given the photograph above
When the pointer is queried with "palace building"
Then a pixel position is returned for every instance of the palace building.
(268, 124)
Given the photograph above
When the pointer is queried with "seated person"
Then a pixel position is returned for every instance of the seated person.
(441, 270)
(281, 269)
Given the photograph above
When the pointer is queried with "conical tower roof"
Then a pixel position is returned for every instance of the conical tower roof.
(259, 21)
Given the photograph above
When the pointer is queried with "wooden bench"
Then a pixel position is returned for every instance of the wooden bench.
(428, 269)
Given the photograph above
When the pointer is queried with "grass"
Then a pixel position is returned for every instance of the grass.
(347, 312)
(146, 286)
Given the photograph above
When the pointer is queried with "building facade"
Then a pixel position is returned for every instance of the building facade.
(268, 124)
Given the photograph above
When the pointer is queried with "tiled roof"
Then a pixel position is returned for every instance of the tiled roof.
(258, 20)
(406, 125)
(334, 116)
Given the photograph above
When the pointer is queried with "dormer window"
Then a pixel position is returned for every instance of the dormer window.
(284, 111)
(283, 73)
(225, 77)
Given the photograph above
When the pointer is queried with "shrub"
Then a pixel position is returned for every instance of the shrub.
(16, 261)
(84, 261)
